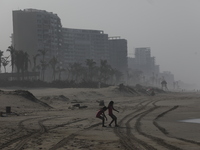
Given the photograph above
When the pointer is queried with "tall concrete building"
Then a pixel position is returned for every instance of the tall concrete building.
(144, 61)
(35, 30)
(118, 53)
(131, 63)
(143, 56)
(82, 44)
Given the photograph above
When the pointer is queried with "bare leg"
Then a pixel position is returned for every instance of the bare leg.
(114, 118)
(103, 120)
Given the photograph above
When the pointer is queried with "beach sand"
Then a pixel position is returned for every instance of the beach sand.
(49, 119)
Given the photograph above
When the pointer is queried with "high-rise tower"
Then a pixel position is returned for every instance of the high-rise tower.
(35, 30)
(82, 44)
(118, 53)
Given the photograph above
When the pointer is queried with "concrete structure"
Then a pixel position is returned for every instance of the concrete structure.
(35, 30)
(118, 53)
(82, 44)
(144, 61)
(131, 62)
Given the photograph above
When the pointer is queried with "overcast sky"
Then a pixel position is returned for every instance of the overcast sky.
(170, 27)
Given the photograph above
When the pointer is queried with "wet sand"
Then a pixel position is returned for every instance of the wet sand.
(145, 122)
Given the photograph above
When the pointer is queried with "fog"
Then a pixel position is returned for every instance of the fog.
(170, 27)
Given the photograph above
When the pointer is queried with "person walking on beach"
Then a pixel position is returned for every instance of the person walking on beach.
(110, 113)
(101, 115)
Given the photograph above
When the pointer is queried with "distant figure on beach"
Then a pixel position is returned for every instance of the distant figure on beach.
(101, 115)
(110, 113)
(164, 85)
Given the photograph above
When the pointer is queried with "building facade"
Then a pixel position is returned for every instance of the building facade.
(118, 53)
(35, 30)
(41, 32)
(144, 61)
(82, 44)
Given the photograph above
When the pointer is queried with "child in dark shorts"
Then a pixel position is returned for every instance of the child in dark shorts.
(101, 115)
(110, 113)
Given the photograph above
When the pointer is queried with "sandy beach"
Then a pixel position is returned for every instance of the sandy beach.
(64, 119)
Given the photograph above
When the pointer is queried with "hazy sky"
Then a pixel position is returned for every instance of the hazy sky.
(170, 27)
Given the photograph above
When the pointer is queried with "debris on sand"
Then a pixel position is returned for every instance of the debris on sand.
(77, 106)
(139, 90)
(60, 97)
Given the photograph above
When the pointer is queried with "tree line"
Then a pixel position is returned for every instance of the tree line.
(89, 72)
(20, 62)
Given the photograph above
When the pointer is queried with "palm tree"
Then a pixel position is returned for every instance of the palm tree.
(118, 75)
(26, 61)
(53, 62)
(18, 56)
(69, 71)
(12, 50)
(43, 62)
(105, 70)
(76, 70)
(91, 66)
(5, 62)
(34, 61)
(19, 61)
(96, 73)
(59, 70)
(44, 66)
(1, 54)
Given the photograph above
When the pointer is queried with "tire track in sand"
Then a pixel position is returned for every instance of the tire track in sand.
(129, 141)
(71, 137)
(21, 140)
